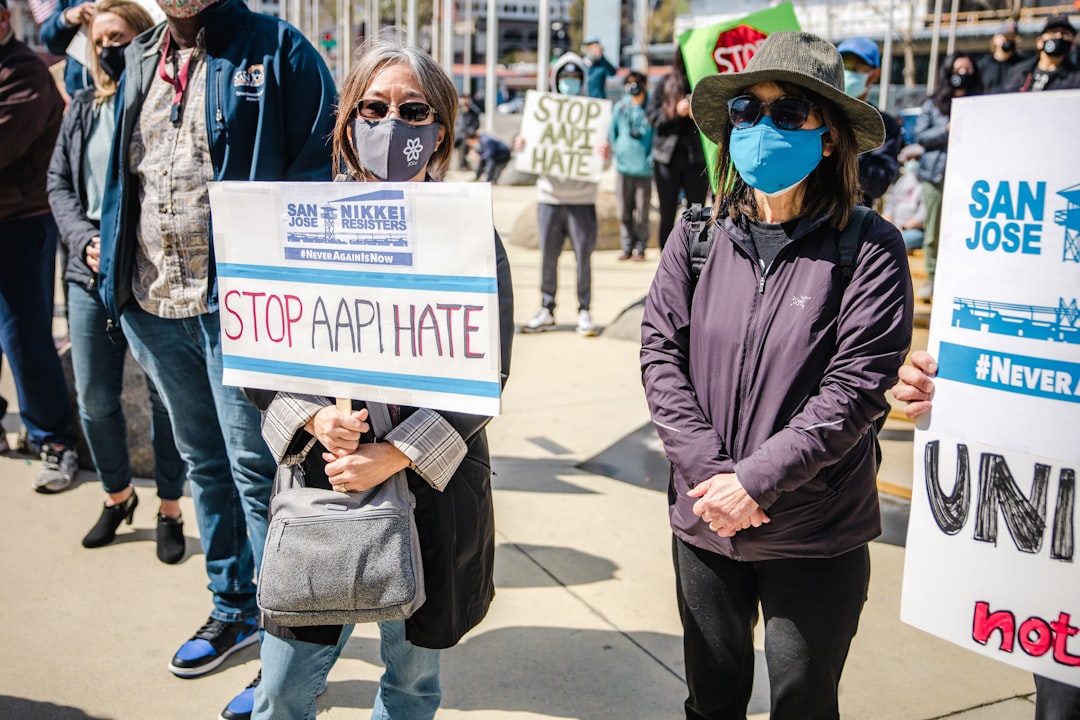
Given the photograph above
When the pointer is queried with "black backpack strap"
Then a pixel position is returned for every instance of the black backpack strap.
(700, 239)
(848, 244)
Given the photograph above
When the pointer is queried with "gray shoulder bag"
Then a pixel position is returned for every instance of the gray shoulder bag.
(336, 558)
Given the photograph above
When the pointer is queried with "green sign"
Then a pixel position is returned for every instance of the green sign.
(726, 48)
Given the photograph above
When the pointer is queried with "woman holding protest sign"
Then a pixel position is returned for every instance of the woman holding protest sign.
(76, 183)
(394, 98)
(765, 368)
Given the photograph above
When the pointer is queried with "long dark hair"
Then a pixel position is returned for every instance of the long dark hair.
(831, 190)
(944, 92)
(675, 86)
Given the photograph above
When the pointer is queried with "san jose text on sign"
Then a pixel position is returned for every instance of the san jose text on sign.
(360, 291)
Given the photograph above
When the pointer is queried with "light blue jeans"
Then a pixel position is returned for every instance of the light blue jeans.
(97, 361)
(294, 674)
(218, 433)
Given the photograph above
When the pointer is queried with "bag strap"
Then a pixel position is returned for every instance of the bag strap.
(700, 240)
(379, 417)
(848, 244)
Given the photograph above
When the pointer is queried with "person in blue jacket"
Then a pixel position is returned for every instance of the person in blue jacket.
(57, 33)
(631, 137)
(216, 92)
(597, 67)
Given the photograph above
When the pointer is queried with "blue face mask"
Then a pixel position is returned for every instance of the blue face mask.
(855, 83)
(569, 86)
(773, 160)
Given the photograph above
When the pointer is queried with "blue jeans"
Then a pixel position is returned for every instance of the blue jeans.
(26, 315)
(294, 674)
(97, 360)
(218, 435)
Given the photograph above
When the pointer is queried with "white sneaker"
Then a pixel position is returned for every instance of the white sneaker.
(58, 468)
(544, 320)
(585, 325)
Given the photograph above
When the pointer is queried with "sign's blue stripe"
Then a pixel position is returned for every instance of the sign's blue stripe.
(477, 388)
(1021, 374)
(367, 278)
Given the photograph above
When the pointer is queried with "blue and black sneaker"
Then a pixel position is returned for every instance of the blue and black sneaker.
(241, 706)
(208, 648)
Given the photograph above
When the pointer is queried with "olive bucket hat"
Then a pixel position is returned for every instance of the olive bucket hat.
(798, 58)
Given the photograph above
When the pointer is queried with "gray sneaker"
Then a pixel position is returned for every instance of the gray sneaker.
(58, 467)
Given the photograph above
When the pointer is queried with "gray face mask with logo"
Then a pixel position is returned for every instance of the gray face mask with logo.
(393, 150)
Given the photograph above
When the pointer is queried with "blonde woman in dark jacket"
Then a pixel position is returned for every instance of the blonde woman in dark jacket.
(76, 185)
(764, 377)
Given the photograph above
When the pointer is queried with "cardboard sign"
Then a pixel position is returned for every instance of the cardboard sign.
(371, 291)
(992, 563)
(561, 134)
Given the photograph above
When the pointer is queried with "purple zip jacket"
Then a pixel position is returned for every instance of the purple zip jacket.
(779, 382)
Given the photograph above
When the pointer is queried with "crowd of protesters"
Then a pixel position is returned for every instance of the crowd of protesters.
(117, 185)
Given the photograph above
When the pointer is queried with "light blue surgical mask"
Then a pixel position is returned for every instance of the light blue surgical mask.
(569, 86)
(773, 160)
(911, 166)
(855, 83)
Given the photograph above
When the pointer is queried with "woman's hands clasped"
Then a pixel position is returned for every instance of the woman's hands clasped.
(350, 466)
(724, 503)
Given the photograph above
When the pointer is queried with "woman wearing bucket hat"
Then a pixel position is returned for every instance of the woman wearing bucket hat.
(764, 374)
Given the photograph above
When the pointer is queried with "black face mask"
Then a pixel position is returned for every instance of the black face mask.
(1056, 47)
(1007, 46)
(962, 81)
(111, 60)
(634, 89)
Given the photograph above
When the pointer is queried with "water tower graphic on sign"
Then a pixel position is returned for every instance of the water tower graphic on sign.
(1069, 218)
(329, 215)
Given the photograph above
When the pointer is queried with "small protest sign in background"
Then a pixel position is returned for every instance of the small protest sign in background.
(561, 134)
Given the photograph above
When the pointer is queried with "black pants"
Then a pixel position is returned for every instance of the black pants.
(811, 608)
(1055, 700)
(670, 179)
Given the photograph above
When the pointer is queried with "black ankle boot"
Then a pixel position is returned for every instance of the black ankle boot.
(104, 532)
(170, 539)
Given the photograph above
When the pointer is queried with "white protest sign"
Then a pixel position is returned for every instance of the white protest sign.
(991, 561)
(372, 291)
(80, 45)
(561, 134)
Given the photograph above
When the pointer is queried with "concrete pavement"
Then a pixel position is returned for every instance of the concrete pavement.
(584, 623)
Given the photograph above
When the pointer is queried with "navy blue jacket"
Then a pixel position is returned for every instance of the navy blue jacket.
(56, 36)
(269, 112)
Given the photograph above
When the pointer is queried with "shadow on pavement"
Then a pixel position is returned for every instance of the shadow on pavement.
(16, 708)
(535, 475)
(559, 566)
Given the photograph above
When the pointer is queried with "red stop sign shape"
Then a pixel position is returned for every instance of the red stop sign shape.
(735, 47)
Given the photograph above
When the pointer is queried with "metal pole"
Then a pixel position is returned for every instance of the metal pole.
(410, 29)
(448, 37)
(543, 45)
(436, 45)
(397, 18)
(640, 61)
(886, 61)
(491, 49)
(952, 27)
(346, 33)
(466, 79)
(935, 42)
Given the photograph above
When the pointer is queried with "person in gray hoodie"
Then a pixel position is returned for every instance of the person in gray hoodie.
(566, 208)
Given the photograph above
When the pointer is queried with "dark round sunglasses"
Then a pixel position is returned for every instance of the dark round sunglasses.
(788, 113)
(413, 112)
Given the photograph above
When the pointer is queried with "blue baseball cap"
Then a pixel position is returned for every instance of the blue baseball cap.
(863, 48)
(591, 39)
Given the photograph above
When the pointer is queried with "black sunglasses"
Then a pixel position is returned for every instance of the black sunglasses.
(413, 112)
(789, 112)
